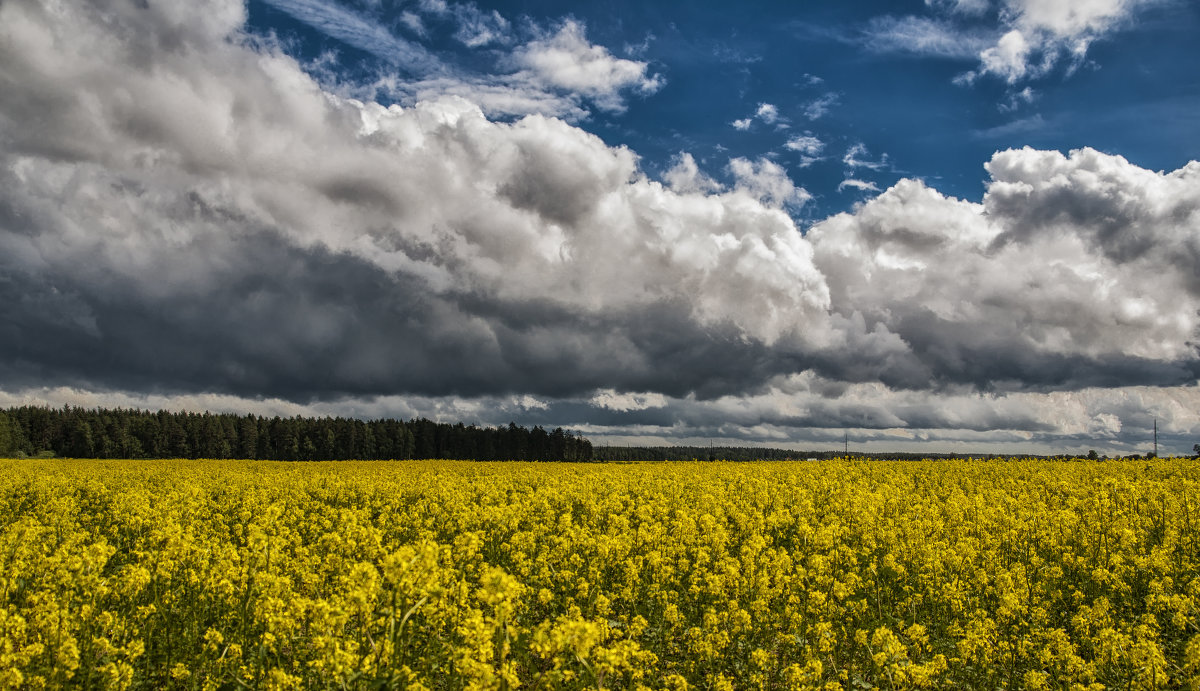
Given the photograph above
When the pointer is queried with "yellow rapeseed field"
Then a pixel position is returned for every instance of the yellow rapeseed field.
(448, 575)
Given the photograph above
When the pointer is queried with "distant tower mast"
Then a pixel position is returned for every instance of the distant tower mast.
(845, 442)
(1156, 437)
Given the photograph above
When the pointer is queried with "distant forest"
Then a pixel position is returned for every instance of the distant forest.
(755, 453)
(121, 433)
(703, 453)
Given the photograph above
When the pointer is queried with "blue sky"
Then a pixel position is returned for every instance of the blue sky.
(952, 225)
(884, 76)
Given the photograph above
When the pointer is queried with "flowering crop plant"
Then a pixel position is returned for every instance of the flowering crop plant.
(846, 574)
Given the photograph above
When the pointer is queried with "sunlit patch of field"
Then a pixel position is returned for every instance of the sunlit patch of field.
(438, 574)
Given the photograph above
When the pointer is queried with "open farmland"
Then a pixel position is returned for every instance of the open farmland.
(438, 574)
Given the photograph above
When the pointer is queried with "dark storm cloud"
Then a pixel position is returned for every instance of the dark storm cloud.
(987, 355)
(277, 320)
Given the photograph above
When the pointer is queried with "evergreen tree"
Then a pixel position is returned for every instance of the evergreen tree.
(12, 438)
(81, 443)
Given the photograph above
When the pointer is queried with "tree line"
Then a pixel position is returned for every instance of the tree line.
(76, 432)
(758, 453)
(703, 453)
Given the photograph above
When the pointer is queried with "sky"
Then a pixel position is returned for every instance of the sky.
(949, 225)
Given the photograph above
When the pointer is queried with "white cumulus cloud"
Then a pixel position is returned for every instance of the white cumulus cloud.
(808, 146)
(565, 59)
(857, 156)
(1028, 39)
(767, 182)
(1044, 281)
(767, 112)
(625, 402)
(860, 185)
(819, 108)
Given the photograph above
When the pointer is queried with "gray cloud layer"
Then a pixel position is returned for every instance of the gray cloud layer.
(182, 211)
